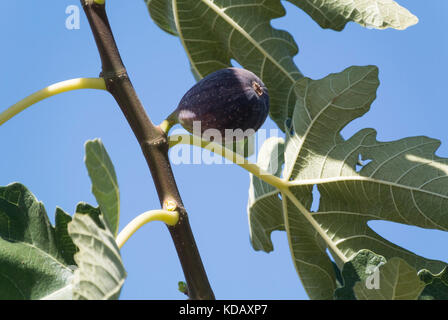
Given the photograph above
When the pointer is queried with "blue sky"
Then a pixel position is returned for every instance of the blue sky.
(43, 147)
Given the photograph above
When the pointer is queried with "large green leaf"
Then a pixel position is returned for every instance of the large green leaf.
(266, 213)
(214, 32)
(33, 264)
(379, 14)
(356, 270)
(359, 179)
(436, 285)
(397, 280)
(267, 218)
(104, 182)
(36, 259)
(269, 210)
(101, 273)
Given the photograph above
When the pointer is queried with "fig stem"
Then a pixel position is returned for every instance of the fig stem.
(229, 155)
(154, 145)
(169, 122)
(169, 217)
(52, 90)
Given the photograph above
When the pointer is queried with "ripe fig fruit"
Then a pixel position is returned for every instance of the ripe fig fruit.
(226, 100)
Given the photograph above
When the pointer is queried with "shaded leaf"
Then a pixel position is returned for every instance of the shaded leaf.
(266, 216)
(66, 245)
(214, 32)
(94, 213)
(338, 273)
(358, 269)
(358, 179)
(436, 285)
(32, 265)
(104, 182)
(397, 280)
(267, 210)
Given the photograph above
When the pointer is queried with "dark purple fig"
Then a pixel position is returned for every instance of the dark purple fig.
(226, 100)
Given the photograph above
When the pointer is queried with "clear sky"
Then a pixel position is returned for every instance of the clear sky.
(43, 147)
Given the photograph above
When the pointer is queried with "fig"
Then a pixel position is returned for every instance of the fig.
(233, 101)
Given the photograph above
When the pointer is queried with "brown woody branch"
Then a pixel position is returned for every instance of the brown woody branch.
(154, 145)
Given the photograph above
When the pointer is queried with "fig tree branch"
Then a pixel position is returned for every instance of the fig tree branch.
(154, 145)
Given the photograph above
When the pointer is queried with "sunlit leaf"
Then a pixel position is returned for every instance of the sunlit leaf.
(104, 182)
(378, 14)
(101, 273)
(214, 32)
(358, 179)
(396, 280)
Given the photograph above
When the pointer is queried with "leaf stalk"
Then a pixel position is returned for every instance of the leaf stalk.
(169, 217)
(52, 90)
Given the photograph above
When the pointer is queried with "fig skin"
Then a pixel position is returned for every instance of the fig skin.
(230, 98)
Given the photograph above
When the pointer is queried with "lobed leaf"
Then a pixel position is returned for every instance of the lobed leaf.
(397, 280)
(378, 14)
(32, 262)
(266, 215)
(214, 32)
(436, 285)
(357, 270)
(37, 260)
(269, 210)
(358, 179)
